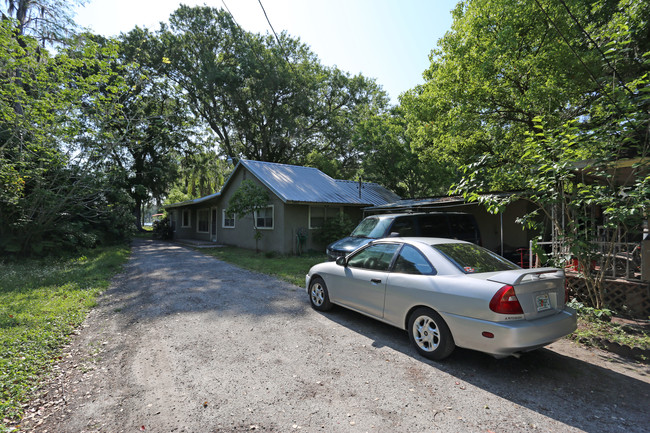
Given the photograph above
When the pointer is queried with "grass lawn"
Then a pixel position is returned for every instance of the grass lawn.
(288, 268)
(41, 303)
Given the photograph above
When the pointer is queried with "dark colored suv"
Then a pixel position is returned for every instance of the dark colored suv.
(453, 225)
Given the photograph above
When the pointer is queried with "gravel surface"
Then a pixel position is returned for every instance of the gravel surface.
(182, 342)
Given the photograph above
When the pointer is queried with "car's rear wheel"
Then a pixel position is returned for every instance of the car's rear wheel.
(318, 295)
(430, 334)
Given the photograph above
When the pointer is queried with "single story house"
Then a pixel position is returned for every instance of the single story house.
(301, 199)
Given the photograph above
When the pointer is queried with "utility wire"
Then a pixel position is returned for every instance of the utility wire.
(270, 25)
(284, 53)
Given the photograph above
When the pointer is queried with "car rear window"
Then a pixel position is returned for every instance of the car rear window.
(473, 259)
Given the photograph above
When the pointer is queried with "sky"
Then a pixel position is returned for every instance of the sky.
(388, 40)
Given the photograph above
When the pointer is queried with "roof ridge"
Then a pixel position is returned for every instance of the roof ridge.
(279, 163)
(356, 181)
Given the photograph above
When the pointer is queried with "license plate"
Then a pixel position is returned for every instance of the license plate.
(543, 302)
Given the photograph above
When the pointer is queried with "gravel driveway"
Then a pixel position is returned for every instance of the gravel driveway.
(182, 342)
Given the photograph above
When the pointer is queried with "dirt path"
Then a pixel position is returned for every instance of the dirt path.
(182, 342)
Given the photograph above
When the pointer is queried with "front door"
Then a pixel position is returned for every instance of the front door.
(213, 225)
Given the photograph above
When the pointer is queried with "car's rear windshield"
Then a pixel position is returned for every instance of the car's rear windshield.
(473, 259)
(371, 228)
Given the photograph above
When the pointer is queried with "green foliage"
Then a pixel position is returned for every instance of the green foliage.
(393, 158)
(162, 229)
(501, 66)
(582, 157)
(595, 327)
(47, 21)
(51, 196)
(334, 229)
(264, 100)
(287, 268)
(41, 302)
(247, 199)
(591, 314)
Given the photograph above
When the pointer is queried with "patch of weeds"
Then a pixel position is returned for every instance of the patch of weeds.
(41, 303)
(597, 325)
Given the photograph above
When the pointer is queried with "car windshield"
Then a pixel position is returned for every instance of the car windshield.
(473, 259)
(371, 228)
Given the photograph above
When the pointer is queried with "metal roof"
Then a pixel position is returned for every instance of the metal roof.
(296, 184)
(370, 192)
(425, 204)
(194, 201)
(292, 183)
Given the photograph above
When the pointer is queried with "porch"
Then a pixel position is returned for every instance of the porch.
(627, 277)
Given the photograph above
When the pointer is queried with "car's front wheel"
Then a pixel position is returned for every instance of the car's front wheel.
(318, 295)
(430, 334)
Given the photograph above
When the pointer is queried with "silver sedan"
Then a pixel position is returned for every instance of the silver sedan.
(447, 293)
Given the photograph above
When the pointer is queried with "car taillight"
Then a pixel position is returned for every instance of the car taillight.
(505, 301)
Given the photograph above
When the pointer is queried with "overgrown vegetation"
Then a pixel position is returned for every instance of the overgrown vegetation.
(334, 229)
(41, 303)
(595, 326)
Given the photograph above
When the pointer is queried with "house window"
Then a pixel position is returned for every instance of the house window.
(202, 220)
(185, 218)
(319, 214)
(227, 220)
(264, 218)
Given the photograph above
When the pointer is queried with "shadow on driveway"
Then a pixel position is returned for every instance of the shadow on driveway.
(573, 391)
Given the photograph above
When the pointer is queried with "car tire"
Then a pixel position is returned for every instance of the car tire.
(318, 295)
(430, 334)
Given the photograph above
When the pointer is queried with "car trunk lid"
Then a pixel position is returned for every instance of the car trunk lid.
(540, 291)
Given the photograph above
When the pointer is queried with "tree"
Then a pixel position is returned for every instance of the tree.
(588, 175)
(51, 197)
(391, 157)
(501, 66)
(248, 199)
(150, 131)
(202, 173)
(48, 21)
(265, 99)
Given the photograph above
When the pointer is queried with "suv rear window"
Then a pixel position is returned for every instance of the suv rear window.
(473, 259)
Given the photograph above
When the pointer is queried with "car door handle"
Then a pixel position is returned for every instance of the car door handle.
(375, 280)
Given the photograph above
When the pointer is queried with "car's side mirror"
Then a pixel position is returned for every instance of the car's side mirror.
(394, 235)
(341, 261)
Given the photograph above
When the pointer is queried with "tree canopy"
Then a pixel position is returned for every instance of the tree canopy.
(265, 99)
(504, 64)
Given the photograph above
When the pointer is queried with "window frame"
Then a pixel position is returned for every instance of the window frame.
(371, 246)
(326, 216)
(224, 218)
(255, 217)
(186, 222)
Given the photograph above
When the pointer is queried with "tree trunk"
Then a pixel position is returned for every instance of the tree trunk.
(138, 214)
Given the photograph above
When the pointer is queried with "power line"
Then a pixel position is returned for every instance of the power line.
(270, 25)
(284, 53)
